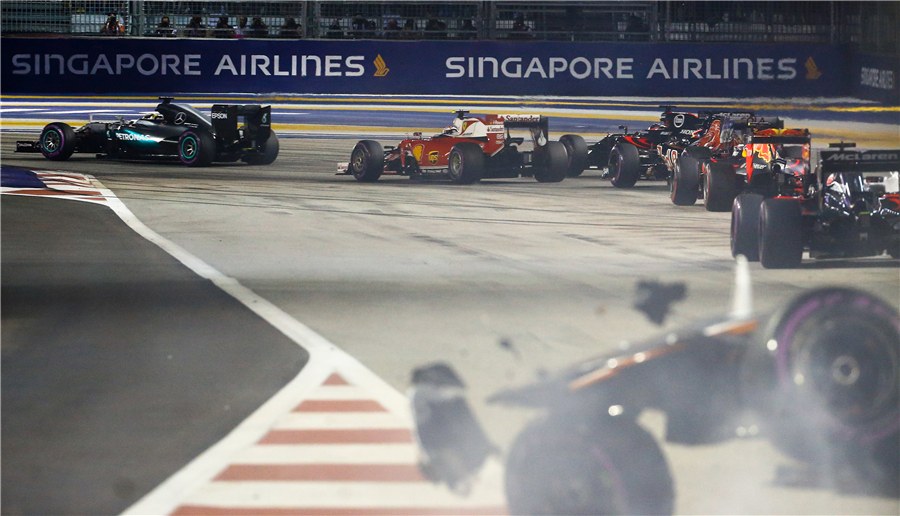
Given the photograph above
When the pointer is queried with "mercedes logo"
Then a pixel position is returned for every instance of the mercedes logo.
(180, 118)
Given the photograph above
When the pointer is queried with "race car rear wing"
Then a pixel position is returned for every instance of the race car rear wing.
(257, 123)
(886, 160)
(537, 124)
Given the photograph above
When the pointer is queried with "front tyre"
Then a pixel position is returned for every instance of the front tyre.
(745, 226)
(57, 141)
(367, 161)
(577, 154)
(780, 234)
(196, 148)
(555, 163)
(624, 165)
(685, 184)
(267, 152)
(560, 466)
(466, 163)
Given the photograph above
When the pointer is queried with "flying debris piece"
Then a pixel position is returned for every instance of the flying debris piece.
(507, 344)
(655, 298)
(452, 442)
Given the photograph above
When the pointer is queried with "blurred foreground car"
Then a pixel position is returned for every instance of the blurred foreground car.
(820, 378)
(173, 131)
(469, 150)
(849, 208)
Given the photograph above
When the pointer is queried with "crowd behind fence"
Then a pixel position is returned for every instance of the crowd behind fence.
(868, 26)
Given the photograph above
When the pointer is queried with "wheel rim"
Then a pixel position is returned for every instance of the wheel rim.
(189, 147)
(358, 162)
(51, 141)
(455, 164)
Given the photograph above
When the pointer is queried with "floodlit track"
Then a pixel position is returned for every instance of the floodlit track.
(400, 273)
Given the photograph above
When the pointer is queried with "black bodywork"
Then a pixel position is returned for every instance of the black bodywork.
(231, 132)
(849, 208)
(820, 378)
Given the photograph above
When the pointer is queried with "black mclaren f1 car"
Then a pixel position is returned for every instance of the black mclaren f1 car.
(174, 130)
(820, 378)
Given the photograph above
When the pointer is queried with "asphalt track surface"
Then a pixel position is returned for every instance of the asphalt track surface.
(397, 274)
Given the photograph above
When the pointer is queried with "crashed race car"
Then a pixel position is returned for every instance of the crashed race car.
(626, 158)
(173, 131)
(849, 208)
(723, 162)
(471, 149)
(820, 378)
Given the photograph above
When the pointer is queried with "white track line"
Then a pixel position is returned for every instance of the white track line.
(325, 357)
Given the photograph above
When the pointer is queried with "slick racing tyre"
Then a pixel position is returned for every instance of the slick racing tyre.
(367, 161)
(196, 148)
(825, 380)
(718, 186)
(267, 152)
(466, 163)
(577, 153)
(57, 141)
(560, 466)
(780, 234)
(555, 163)
(685, 184)
(745, 226)
(624, 165)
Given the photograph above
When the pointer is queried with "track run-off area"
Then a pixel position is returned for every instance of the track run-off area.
(239, 339)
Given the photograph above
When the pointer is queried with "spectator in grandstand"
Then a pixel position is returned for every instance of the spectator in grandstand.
(194, 28)
(223, 29)
(392, 29)
(335, 31)
(409, 29)
(112, 27)
(165, 29)
(468, 30)
(360, 27)
(636, 29)
(241, 30)
(435, 29)
(258, 29)
(290, 29)
(519, 29)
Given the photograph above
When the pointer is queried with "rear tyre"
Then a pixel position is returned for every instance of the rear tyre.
(685, 184)
(577, 152)
(624, 165)
(555, 163)
(267, 152)
(57, 141)
(745, 226)
(565, 467)
(466, 163)
(780, 234)
(367, 161)
(196, 148)
(718, 186)
(825, 381)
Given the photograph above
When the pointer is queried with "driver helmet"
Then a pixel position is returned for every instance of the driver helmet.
(153, 116)
(454, 129)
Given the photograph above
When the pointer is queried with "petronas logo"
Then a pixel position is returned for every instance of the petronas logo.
(381, 68)
(812, 71)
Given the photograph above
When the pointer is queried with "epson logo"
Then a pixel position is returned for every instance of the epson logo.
(855, 156)
(220, 115)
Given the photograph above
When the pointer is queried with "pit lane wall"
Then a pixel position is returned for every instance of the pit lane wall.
(112, 66)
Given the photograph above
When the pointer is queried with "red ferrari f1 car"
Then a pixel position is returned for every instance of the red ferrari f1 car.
(471, 149)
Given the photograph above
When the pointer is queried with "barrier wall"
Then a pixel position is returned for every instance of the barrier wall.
(86, 66)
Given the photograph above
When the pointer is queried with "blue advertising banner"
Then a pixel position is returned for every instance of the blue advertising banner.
(85, 65)
(876, 78)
